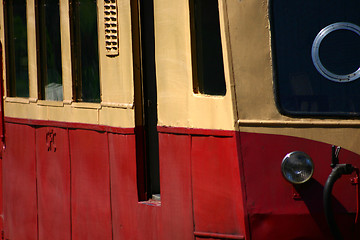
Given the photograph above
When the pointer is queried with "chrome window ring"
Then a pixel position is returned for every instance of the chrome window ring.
(315, 52)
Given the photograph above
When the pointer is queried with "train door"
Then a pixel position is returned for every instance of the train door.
(199, 168)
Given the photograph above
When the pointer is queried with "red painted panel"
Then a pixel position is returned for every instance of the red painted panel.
(53, 170)
(90, 185)
(19, 177)
(131, 219)
(216, 186)
(86, 192)
(123, 185)
(176, 196)
(148, 221)
(269, 196)
(297, 226)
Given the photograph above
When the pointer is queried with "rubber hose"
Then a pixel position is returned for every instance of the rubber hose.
(336, 173)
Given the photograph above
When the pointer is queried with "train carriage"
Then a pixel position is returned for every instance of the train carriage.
(181, 119)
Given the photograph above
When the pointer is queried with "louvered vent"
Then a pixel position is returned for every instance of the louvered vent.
(111, 28)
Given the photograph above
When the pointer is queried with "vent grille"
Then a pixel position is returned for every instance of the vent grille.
(111, 28)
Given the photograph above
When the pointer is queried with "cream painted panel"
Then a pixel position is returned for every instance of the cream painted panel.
(251, 54)
(33, 111)
(32, 55)
(173, 66)
(347, 138)
(178, 106)
(88, 113)
(116, 76)
(117, 117)
(66, 51)
(69, 114)
(117, 72)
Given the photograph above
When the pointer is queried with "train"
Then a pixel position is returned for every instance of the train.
(179, 120)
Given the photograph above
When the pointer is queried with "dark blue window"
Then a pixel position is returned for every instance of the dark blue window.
(316, 53)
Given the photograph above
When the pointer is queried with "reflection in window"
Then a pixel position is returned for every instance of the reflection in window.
(50, 50)
(208, 58)
(84, 50)
(17, 49)
(302, 87)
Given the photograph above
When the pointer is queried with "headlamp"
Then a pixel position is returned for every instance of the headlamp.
(297, 167)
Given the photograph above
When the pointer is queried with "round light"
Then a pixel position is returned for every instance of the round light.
(315, 52)
(297, 167)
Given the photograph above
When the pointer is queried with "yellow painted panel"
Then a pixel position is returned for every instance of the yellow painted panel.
(347, 137)
(31, 111)
(66, 50)
(116, 76)
(88, 113)
(116, 72)
(178, 106)
(251, 55)
(32, 60)
(117, 117)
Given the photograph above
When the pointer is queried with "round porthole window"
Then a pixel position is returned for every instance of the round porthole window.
(316, 47)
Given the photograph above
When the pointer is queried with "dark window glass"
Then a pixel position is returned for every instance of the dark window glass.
(17, 49)
(50, 50)
(208, 58)
(316, 49)
(85, 56)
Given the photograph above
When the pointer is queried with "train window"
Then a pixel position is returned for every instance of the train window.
(50, 50)
(316, 49)
(84, 50)
(207, 50)
(16, 48)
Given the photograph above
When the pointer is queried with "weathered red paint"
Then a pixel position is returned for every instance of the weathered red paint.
(273, 212)
(53, 183)
(216, 184)
(19, 178)
(90, 185)
(175, 180)
(123, 185)
(74, 182)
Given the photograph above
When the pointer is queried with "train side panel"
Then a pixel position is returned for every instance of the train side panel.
(53, 183)
(19, 179)
(81, 184)
(272, 202)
